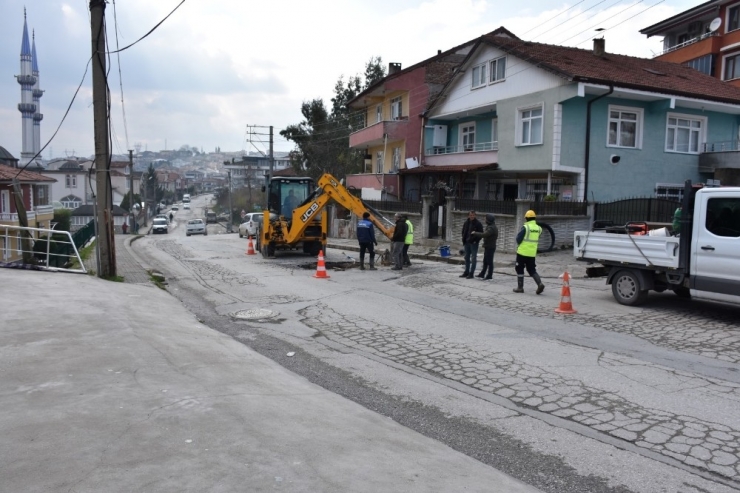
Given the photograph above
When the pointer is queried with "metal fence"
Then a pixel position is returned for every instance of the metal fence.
(509, 207)
(45, 249)
(636, 209)
(395, 206)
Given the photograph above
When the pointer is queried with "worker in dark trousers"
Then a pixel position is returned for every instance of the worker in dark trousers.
(490, 237)
(397, 240)
(366, 238)
(528, 239)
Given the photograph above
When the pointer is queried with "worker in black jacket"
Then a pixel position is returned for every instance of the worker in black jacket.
(470, 244)
(490, 237)
(397, 241)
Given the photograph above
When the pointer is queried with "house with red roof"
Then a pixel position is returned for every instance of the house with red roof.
(577, 124)
(392, 112)
(35, 189)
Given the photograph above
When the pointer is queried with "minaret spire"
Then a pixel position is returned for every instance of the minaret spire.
(27, 80)
(37, 93)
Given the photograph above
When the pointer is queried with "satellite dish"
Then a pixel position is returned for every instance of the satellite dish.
(714, 25)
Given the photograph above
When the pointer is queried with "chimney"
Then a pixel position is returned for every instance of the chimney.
(393, 68)
(439, 52)
(599, 46)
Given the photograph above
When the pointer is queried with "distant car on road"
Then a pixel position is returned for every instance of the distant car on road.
(196, 227)
(159, 225)
(210, 217)
(186, 206)
(248, 227)
(174, 208)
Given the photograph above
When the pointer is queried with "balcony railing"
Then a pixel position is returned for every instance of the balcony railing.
(44, 209)
(726, 146)
(689, 42)
(477, 147)
(13, 217)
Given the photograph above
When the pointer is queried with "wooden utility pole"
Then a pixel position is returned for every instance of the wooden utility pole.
(105, 232)
(131, 189)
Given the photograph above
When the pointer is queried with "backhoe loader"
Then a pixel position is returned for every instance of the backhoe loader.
(295, 217)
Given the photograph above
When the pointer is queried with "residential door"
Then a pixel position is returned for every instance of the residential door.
(716, 259)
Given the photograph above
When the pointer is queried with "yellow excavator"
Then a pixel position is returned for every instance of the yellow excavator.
(294, 218)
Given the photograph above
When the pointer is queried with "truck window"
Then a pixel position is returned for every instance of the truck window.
(723, 217)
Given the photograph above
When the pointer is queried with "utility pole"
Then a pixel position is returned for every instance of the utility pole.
(272, 159)
(105, 232)
(131, 190)
(231, 212)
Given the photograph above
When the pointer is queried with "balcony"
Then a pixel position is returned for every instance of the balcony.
(478, 153)
(718, 155)
(690, 42)
(374, 135)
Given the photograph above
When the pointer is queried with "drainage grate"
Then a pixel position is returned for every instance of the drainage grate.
(254, 314)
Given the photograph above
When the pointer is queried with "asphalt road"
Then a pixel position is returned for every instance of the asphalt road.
(612, 398)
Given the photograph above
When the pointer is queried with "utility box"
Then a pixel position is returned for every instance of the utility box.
(439, 138)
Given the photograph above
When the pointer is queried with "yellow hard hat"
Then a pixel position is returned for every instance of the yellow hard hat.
(529, 213)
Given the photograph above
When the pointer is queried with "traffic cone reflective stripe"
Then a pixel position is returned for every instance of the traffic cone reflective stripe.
(250, 247)
(321, 268)
(565, 304)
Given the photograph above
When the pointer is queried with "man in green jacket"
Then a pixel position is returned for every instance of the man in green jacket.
(527, 239)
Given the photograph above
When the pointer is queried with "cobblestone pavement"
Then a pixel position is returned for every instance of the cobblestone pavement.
(693, 441)
(712, 333)
(127, 265)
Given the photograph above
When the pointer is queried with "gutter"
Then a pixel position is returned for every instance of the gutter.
(587, 148)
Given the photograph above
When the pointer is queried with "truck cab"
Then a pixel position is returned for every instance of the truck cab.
(715, 249)
(287, 193)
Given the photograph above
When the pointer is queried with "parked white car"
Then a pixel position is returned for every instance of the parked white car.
(196, 227)
(249, 225)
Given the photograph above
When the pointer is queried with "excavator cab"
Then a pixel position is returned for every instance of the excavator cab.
(287, 193)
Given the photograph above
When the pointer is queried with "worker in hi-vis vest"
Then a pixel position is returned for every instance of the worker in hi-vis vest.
(408, 242)
(526, 252)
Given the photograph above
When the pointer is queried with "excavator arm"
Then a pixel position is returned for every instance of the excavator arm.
(334, 189)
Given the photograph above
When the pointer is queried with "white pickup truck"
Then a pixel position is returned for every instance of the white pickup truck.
(702, 262)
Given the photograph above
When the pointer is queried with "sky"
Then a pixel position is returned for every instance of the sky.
(215, 67)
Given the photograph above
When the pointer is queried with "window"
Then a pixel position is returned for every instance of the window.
(479, 76)
(704, 64)
(685, 133)
(379, 162)
(732, 67)
(379, 113)
(625, 127)
(467, 136)
(396, 108)
(71, 181)
(723, 217)
(494, 133)
(396, 159)
(672, 191)
(530, 126)
(498, 69)
(733, 18)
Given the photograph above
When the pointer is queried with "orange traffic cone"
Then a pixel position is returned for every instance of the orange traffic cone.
(565, 304)
(250, 247)
(321, 268)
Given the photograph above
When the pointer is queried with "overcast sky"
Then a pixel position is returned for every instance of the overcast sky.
(216, 66)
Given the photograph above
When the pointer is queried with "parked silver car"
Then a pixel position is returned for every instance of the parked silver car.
(249, 225)
(196, 227)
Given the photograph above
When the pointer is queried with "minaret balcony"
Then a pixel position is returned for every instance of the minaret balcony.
(27, 107)
(37, 93)
(37, 117)
(26, 80)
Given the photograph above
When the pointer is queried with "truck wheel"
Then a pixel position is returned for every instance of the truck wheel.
(626, 289)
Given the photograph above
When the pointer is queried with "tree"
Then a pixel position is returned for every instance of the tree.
(322, 138)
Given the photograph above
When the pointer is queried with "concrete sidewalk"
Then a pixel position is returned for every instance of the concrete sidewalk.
(117, 387)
